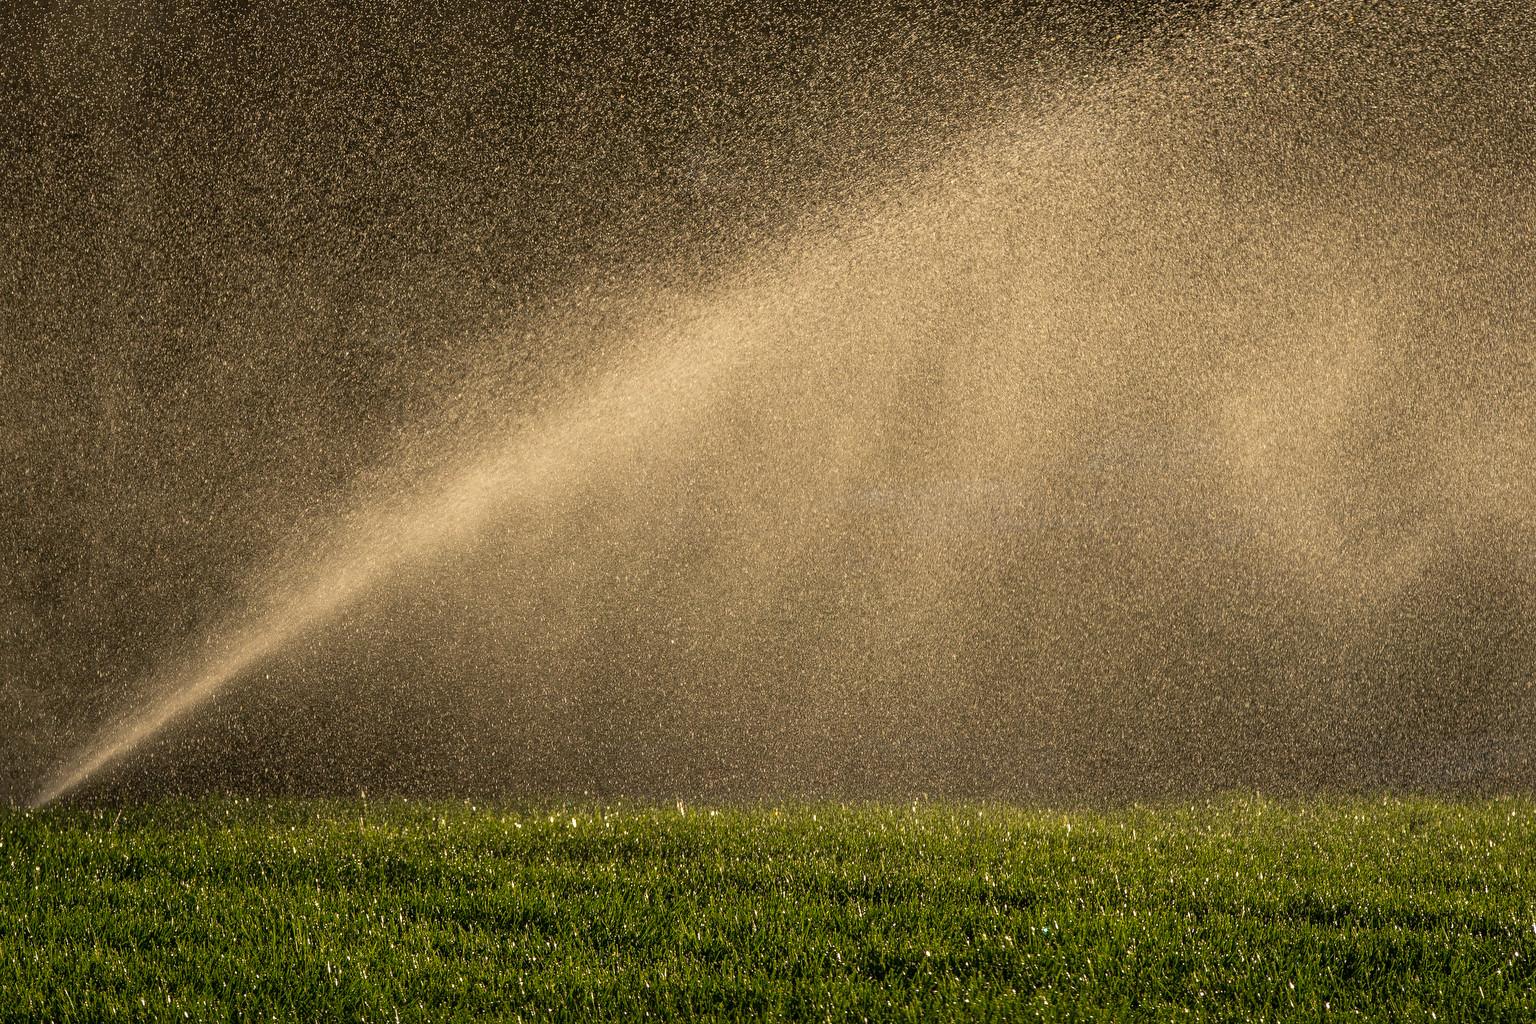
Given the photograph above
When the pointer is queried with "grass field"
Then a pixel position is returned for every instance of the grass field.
(1240, 909)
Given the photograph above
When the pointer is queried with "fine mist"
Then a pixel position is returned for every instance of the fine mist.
(1164, 431)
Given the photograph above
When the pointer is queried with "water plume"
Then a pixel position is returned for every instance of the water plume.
(1154, 438)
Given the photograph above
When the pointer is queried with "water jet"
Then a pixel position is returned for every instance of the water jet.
(1168, 422)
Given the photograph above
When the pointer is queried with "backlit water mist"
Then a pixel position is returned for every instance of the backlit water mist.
(1160, 429)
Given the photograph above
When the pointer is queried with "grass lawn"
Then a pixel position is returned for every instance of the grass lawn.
(303, 910)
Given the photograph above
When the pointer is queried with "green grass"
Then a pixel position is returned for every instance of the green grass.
(1241, 909)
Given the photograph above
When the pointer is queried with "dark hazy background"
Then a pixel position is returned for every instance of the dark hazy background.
(247, 248)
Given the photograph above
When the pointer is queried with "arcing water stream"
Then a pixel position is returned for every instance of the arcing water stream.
(1105, 403)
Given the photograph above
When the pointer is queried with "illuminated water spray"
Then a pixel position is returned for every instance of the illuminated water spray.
(1109, 402)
